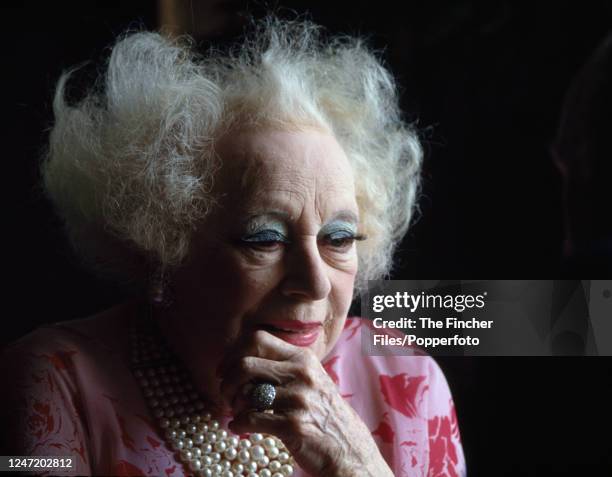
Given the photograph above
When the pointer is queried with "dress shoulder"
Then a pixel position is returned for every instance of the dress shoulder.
(41, 409)
(405, 401)
(44, 410)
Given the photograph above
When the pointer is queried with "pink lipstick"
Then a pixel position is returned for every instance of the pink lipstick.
(296, 332)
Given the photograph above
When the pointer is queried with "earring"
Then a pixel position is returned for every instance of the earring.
(160, 291)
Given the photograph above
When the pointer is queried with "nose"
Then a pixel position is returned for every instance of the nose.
(306, 272)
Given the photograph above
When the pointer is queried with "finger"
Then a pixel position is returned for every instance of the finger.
(262, 422)
(251, 368)
(289, 398)
(264, 342)
(261, 344)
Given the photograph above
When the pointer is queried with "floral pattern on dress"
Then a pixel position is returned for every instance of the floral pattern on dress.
(75, 396)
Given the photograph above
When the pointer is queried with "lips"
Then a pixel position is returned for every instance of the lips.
(298, 333)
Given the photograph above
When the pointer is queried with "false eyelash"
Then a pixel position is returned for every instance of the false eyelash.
(251, 238)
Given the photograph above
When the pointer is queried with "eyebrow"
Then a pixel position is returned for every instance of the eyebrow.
(345, 214)
(255, 214)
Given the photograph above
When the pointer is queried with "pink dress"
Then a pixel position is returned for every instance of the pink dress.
(72, 394)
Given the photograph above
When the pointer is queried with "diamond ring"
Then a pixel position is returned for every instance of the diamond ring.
(262, 396)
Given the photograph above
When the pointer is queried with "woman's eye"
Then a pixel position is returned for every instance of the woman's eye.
(341, 241)
(264, 239)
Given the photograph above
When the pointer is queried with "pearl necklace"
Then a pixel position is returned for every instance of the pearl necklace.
(200, 444)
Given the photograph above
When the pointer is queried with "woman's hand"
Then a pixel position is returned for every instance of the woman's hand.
(323, 433)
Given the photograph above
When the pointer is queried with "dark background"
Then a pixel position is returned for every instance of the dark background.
(486, 82)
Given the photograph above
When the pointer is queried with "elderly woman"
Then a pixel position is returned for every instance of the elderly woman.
(252, 194)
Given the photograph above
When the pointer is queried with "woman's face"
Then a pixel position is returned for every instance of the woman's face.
(277, 253)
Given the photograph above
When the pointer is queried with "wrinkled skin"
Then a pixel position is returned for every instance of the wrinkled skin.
(280, 245)
(323, 433)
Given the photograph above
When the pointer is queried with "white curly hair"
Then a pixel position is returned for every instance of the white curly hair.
(130, 167)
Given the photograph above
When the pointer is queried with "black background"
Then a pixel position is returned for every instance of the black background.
(486, 82)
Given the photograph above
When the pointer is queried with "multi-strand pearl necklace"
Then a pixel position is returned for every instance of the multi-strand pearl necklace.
(200, 444)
